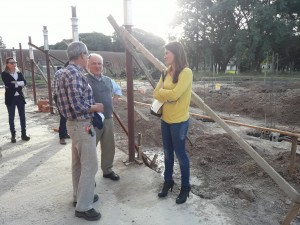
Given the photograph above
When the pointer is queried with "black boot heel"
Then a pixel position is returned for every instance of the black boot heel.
(13, 138)
(167, 186)
(184, 193)
(25, 137)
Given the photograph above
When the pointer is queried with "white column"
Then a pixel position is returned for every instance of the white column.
(14, 54)
(45, 31)
(31, 55)
(74, 20)
(127, 12)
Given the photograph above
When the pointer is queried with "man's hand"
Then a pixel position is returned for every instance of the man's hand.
(99, 107)
(116, 98)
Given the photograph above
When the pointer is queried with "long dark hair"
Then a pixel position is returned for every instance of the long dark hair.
(6, 68)
(179, 56)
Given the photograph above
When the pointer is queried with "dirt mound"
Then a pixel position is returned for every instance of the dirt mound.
(221, 171)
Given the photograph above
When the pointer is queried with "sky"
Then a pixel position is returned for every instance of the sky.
(20, 19)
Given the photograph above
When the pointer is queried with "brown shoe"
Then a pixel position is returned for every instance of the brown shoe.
(62, 141)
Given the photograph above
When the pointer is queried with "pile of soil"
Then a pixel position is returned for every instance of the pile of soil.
(221, 171)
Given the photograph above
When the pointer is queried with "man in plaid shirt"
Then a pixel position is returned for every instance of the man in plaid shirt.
(76, 103)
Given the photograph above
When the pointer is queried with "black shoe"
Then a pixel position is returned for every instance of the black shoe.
(112, 176)
(90, 215)
(67, 136)
(13, 137)
(184, 193)
(62, 141)
(166, 187)
(96, 198)
(25, 137)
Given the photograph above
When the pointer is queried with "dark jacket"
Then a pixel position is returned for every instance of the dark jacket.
(102, 93)
(10, 88)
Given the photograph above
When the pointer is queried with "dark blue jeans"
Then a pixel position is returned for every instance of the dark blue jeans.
(19, 102)
(173, 136)
(62, 130)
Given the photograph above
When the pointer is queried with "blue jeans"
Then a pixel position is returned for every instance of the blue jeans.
(173, 136)
(19, 102)
(62, 130)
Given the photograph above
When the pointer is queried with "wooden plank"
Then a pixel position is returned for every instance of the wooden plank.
(293, 156)
(291, 215)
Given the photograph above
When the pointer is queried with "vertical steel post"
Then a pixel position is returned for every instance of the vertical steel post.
(21, 59)
(31, 56)
(1, 61)
(46, 49)
(33, 81)
(49, 81)
(130, 103)
(129, 75)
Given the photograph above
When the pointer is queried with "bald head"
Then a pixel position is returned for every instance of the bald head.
(95, 64)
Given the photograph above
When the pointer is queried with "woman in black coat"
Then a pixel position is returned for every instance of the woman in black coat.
(14, 82)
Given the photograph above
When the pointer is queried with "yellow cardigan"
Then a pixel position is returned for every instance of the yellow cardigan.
(176, 97)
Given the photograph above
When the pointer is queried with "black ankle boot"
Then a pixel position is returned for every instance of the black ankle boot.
(184, 193)
(25, 137)
(166, 187)
(13, 138)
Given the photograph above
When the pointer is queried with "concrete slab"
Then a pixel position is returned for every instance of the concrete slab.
(35, 184)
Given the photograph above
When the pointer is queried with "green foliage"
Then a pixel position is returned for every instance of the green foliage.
(100, 42)
(61, 45)
(246, 31)
(96, 41)
(2, 45)
(153, 43)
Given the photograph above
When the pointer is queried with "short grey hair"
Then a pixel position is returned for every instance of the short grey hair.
(75, 49)
(97, 55)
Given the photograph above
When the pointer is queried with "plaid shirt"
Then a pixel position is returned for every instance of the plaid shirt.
(74, 95)
(57, 75)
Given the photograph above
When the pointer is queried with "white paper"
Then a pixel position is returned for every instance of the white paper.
(156, 105)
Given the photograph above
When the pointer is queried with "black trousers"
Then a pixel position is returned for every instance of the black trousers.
(18, 102)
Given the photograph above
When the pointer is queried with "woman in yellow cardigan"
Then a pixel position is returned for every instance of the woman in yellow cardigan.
(175, 91)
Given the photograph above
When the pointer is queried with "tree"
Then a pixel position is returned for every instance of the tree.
(2, 45)
(100, 42)
(61, 45)
(96, 41)
(209, 31)
(246, 30)
(152, 42)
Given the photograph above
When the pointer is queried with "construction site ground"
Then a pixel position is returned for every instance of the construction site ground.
(228, 187)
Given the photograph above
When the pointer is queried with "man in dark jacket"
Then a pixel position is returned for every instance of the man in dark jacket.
(105, 90)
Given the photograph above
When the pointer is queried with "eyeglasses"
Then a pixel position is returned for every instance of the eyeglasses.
(12, 62)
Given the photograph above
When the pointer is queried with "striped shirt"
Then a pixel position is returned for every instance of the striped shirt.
(74, 94)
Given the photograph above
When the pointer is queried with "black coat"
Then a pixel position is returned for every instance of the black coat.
(10, 88)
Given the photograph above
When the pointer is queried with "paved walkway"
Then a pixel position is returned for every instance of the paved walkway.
(35, 184)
